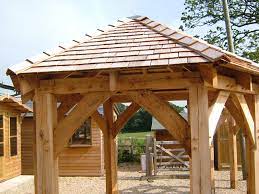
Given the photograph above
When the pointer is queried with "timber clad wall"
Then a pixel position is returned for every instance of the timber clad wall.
(85, 161)
(73, 161)
(11, 165)
(27, 143)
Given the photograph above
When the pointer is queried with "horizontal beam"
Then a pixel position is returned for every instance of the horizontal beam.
(230, 84)
(165, 95)
(155, 81)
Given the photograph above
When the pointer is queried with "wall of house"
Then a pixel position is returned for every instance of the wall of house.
(10, 165)
(73, 161)
(27, 145)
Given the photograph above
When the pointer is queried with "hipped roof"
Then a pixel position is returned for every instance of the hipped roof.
(14, 104)
(129, 43)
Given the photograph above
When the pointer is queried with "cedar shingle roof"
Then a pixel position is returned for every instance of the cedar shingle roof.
(132, 42)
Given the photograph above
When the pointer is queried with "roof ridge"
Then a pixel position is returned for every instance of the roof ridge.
(29, 62)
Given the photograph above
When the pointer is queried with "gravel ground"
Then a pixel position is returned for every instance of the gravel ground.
(129, 183)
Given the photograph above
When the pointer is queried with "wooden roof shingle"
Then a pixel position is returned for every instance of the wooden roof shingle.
(133, 42)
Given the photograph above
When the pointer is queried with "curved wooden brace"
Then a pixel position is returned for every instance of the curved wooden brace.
(124, 117)
(215, 111)
(85, 108)
(165, 114)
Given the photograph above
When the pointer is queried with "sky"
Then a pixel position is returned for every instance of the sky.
(29, 27)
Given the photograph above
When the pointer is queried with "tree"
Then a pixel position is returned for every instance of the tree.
(244, 15)
(141, 120)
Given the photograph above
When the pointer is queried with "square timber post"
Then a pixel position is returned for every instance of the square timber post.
(46, 174)
(201, 176)
(110, 157)
(252, 152)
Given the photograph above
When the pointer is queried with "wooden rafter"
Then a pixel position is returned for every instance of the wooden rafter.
(85, 108)
(124, 117)
(165, 114)
(215, 111)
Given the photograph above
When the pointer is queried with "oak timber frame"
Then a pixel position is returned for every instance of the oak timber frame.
(207, 91)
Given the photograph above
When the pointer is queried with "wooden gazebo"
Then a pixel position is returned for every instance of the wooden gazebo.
(140, 61)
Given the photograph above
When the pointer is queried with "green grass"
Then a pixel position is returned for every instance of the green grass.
(137, 135)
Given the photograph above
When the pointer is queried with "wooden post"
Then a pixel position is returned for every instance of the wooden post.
(34, 154)
(155, 156)
(148, 156)
(252, 153)
(232, 153)
(250, 166)
(201, 182)
(47, 163)
(243, 153)
(212, 168)
(110, 151)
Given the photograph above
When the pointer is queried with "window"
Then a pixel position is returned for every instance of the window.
(1, 136)
(13, 136)
(82, 137)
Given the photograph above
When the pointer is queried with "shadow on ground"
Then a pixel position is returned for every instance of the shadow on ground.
(148, 189)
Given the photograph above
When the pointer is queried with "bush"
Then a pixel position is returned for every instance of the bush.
(130, 149)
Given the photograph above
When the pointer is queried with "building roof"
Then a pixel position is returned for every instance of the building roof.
(14, 103)
(132, 42)
(156, 125)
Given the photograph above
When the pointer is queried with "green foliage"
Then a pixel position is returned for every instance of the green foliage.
(142, 120)
(130, 149)
(179, 109)
(244, 15)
